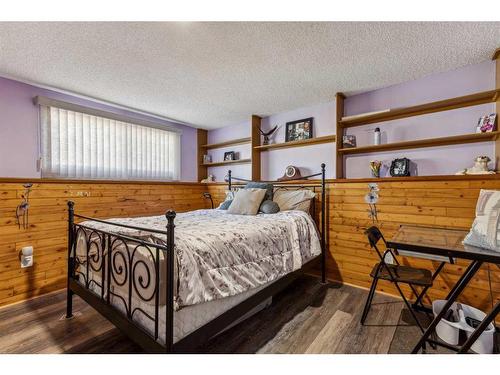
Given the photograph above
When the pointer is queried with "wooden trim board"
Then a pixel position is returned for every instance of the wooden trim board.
(301, 143)
(233, 142)
(422, 143)
(422, 109)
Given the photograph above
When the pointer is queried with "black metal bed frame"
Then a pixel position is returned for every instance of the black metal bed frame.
(115, 257)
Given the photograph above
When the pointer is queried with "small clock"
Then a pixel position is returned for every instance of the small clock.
(291, 173)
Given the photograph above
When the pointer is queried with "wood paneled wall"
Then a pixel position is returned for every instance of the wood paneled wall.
(444, 202)
(440, 202)
(47, 231)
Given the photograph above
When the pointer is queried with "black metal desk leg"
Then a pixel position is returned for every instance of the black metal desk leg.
(452, 296)
(422, 293)
(480, 329)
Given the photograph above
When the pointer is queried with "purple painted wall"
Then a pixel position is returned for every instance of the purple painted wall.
(225, 134)
(19, 140)
(308, 159)
(274, 162)
(19, 129)
(430, 161)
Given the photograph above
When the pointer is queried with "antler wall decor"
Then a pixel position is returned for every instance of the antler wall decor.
(267, 134)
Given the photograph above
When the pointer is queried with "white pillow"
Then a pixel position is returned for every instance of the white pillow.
(294, 199)
(247, 201)
(485, 231)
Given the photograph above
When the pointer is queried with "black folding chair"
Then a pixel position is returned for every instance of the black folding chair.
(395, 273)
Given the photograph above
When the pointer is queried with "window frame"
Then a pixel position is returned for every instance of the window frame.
(49, 102)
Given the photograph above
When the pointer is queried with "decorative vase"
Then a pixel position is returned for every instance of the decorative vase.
(375, 168)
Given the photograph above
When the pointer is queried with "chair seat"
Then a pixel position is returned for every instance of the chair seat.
(404, 274)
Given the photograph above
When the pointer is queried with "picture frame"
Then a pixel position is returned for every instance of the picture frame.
(299, 130)
(229, 155)
(207, 159)
(400, 167)
(486, 124)
(349, 141)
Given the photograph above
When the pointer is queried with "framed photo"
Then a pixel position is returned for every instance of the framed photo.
(349, 141)
(207, 159)
(230, 155)
(486, 124)
(299, 130)
(400, 167)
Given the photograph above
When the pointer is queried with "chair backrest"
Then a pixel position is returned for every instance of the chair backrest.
(374, 236)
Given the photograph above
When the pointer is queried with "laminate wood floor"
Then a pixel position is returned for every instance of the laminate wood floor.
(305, 318)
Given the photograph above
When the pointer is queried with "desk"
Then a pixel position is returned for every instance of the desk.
(448, 243)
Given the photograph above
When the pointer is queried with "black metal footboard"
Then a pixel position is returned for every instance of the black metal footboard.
(125, 278)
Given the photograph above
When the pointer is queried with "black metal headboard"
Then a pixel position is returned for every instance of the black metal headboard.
(288, 184)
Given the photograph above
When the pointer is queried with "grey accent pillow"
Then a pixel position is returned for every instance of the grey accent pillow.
(269, 207)
(229, 197)
(247, 202)
(262, 185)
(225, 205)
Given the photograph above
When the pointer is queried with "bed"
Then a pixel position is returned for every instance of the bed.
(172, 282)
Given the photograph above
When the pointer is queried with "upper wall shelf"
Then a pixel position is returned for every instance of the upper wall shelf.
(225, 162)
(301, 143)
(422, 109)
(421, 143)
(233, 142)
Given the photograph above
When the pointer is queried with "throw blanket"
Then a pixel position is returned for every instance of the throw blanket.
(219, 255)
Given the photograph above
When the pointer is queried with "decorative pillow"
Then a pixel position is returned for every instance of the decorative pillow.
(247, 201)
(225, 205)
(262, 185)
(485, 231)
(294, 199)
(269, 207)
(229, 197)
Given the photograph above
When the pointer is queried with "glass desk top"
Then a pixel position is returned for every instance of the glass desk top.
(439, 241)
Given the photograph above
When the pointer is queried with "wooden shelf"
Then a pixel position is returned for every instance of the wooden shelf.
(227, 162)
(422, 109)
(233, 142)
(421, 143)
(301, 143)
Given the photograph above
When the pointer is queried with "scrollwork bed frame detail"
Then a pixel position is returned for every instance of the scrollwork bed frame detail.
(135, 267)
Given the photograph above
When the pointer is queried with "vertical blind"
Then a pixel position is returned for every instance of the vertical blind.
(78, 145)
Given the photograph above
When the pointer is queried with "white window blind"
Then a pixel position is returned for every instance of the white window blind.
(83, 146)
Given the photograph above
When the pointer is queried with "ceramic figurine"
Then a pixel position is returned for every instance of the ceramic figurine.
(210, 178)
(480, 167)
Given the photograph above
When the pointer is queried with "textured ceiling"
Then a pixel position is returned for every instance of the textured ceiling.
(215, 74)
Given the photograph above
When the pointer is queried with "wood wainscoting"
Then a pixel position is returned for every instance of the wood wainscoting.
(443, 201)
(439, 201)
(47, 231)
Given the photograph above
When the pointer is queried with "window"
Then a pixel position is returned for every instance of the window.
(83, 145)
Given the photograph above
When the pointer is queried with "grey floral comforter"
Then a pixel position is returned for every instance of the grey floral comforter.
(220, 255)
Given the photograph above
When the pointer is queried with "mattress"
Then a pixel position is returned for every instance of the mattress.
(220, 260)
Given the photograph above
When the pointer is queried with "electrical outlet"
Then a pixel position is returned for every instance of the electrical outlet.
(26, 256)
